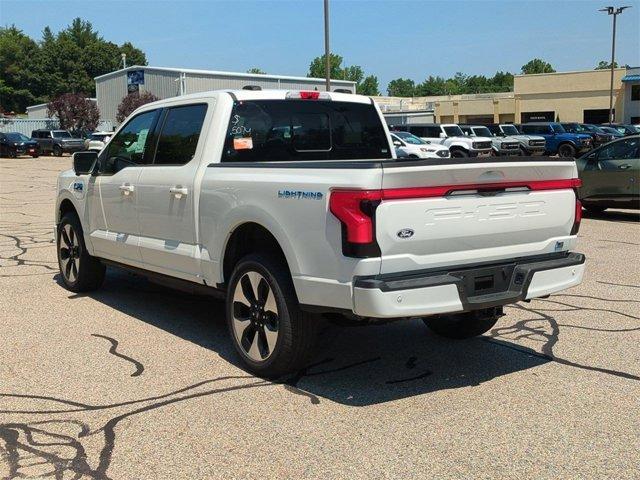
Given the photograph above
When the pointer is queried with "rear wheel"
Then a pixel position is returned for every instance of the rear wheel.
(80, 271)
(464, 325)
(269, 331)
(566, 150)
(459, 153)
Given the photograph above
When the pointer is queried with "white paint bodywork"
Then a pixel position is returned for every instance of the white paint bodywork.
(186, 236)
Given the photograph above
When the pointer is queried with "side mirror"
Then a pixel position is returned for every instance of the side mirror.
(443, 135)
(83, 162)
(397, 143)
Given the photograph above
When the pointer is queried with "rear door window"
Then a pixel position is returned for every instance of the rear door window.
(301, 130)
(180, 133)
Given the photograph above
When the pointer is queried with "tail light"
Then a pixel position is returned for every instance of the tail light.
(356, 211)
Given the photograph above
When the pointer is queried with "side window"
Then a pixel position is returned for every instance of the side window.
(180, 133)
(129, 145)
(622, 150)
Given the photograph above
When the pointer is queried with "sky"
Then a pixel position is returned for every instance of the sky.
(389, 39)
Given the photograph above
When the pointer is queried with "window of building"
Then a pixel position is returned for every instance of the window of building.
(180, 133)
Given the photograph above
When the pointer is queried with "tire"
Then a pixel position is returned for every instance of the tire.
(13, 154)
(594, 208)
(566, 150)
(464, 325)
(80, 272)
(459, 153)
(270, 333)
(57, 150)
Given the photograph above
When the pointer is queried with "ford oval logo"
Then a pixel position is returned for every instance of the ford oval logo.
(405, 233)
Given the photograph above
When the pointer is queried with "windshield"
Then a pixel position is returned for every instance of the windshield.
(453, 131)
(510, 130)
(558, 128)
(592, 128)
(575, 128)
(17, 137)
(482, 132)
(410, 138)
(61, 134)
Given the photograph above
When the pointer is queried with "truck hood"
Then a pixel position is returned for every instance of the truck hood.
(527, 137)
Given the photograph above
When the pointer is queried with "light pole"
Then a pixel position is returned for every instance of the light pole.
(327, 53)
(615, 12)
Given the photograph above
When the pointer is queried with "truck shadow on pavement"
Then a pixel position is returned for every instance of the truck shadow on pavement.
(354, 366)
(47, 436)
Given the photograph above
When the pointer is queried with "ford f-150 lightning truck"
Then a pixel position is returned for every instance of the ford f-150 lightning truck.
(292, 206)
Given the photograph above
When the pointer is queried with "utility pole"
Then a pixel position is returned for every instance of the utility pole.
(124, 60)
(327, 53)
(615, 12)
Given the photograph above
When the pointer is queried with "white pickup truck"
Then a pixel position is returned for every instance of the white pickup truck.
(451, 136)
(292, 205)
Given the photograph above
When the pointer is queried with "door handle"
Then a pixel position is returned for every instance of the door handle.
(126, 189)
(179, 191)
(624, 166)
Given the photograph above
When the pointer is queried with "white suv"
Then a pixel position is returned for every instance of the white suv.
(292, 204)
(451, 136)
(410, 146)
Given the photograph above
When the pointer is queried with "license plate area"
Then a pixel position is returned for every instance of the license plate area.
(484, 281)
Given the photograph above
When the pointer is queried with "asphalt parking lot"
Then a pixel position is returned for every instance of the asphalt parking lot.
(136, 381)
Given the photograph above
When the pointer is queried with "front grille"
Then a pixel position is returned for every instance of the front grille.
(510, 146)
(481, 145)
(537, 143)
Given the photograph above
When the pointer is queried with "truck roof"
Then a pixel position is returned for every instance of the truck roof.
(263, 95)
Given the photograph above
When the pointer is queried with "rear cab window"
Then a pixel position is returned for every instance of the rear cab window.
(304, 130)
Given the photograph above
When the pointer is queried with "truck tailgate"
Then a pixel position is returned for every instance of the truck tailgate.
(448, 214)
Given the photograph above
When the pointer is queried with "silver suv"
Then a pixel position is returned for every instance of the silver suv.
(530, 145)
(502, 147)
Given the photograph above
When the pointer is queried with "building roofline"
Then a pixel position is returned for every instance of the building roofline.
(219, 73)
(571, 72)
(45, 104)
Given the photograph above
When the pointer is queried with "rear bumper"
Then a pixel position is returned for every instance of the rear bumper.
(465, 289)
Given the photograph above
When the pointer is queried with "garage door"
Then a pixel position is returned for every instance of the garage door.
(598, 116)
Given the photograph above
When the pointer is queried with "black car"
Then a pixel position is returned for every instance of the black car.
(14, 144)
(599, 136)
(57, 141)
(623, 129)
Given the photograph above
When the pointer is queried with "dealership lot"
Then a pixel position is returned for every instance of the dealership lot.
(137, 381)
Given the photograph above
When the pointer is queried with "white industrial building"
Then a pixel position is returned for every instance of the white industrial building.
(112, 87)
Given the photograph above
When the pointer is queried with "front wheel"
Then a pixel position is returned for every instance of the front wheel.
(464, 325)
(567, 150)
(269, 331)
(459, 153)
(57, 150)
(80, 271)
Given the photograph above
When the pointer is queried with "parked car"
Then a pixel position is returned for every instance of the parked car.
(612, 131)
(451, 136)
(598, 136)
(409, 146)
(502, 146)
(623, 128)
(214, 193)
(97, 140)
(56, 141)
(530, 145)
(13, 144)
(558, 140)
(611, 175)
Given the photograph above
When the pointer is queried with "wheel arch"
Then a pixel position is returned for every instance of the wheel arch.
(246, 238)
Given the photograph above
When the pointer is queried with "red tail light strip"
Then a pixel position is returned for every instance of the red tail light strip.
(347, 205)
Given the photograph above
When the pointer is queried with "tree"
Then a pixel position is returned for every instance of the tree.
(256, 71)
(60, 63)
(133, 101)
(401, 87)
(316, 67)
(369, 86)
(74, 111)
(537, 66)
